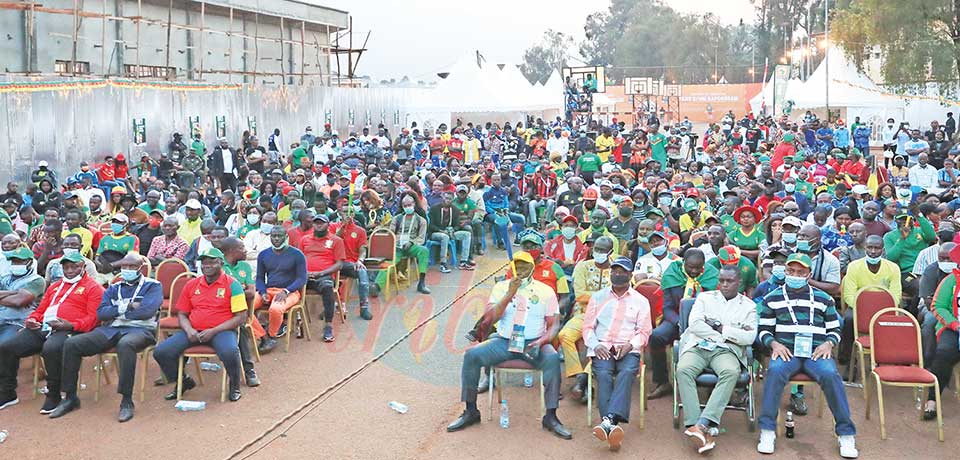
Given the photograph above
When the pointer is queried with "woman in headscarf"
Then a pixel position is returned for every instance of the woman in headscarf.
(309, 193)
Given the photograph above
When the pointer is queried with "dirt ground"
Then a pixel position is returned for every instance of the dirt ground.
(423, 373)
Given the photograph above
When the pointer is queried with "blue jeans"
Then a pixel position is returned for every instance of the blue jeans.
(825, 372)
(495, 350)
(357, 271)
(615, 384)
(500, 231)
(8, 330)
(168, 353)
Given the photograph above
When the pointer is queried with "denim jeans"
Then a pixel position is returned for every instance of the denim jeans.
(463, 236)
(928, 335)
(550, 205)
(500, 233)
(8, 330)
(825, 372)
(170, 351)
(615, 384)
(357, 271)
(495, 350)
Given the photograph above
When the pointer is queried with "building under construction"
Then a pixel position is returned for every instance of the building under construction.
(270, 42)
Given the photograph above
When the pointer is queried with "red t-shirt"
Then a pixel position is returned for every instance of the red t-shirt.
(77, 306)
(354, 237)
(321, 253)
(296, 235)
(455, 144)
(437, 146)
(209, 305)
(106, 173)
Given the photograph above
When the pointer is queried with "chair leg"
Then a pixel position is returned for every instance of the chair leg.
(145, 359)
(196, 365)
(866, 394)
(253, 343)
(96, 391)
(543, 395)
(306, 329)
(106, 374)
(590, 398)
(863, 369)
(853, 362)
(883, 426)
(36, 376)
(956, 378)
(288, 316)
(223, 384)
(493, 378)
(180, 379)
(643, 395)
(936, 387)
(820, 404)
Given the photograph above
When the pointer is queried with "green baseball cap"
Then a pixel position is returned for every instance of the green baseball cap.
(74, 257)
(655, 211)
(799, 258)
(690, 204)
(212, 253)
(21, 253)
(788, 137)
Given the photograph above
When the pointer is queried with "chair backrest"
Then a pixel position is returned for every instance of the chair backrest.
(176, 287)
(167, 271)
(382, 244)
(651, 290)
(147, 267)
(870, 300)
(686, 305)
(895, 338)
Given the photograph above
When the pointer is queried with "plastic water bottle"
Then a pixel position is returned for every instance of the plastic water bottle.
(3, 436)
(789, 424)
(208, 366)
(399, 407)
(504, 415)
(528, 380)
(190, 406)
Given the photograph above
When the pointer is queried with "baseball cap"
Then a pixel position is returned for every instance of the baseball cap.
(212, 253)
(532, 237)
(120, 217)
(860, 189)
(693, 192)
(690, 204)
(801, 259)
(321, 217)
(792, 221)
(193, 204)
(462, 188)
(523, 256)
(570, 218)
(43, 164)
(21, 253)
(73, 257)
(655, 211)
(590, 194)
(622, 262)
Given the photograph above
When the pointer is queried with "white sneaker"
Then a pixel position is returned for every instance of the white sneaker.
(848, 446)
(768, 442)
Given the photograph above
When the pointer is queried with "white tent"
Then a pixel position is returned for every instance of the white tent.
(764, 99)
(848, 87)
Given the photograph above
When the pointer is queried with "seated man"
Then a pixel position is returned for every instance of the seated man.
(683, 279)
(800, 326)
(526, 313)
(947, 353)
(589, 276)
(210, 310)
(115, 245)
(444, 225)
(169, 245)
(20, 291)
(281, 273)
(872, 270)
(325, 253)
(566, 249)
(411, 231)
(235, 265)
(355, 246)
(615, 330)
(68, 307)
(71, 243)
(653, 264)
(127, 315)
(730, 255)
(721, 325)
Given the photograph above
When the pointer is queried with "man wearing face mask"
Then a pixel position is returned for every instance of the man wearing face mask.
(566, 249)
(127, 316)
(654, 263)
(790, 190)
(589, 276)
(623, 226)
(411, 231)
(871, 270)
(683, 279)
(929, 281)
(801, 326)
(902, 248)
(20, 291)
(598, 228)
(526, 313)
(71, 244)
(776, 260)
(115, 245)
(616, 327)
(68, 307)
(281, 273)
(258, 239)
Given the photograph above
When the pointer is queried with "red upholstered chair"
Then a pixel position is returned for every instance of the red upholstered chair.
(167, 271)
(897, 360)
(801, 378)
(514, 366)
(870, 300)
(169, 322)
(381, 253)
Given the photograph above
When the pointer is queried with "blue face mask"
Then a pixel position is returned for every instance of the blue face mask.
(659, 250)
(266, 228)
(795, 282)
(778, 272)
(790, 238)
(295, 214)
(128, 274)
(872, 260)
(803, 245)
(19, 270)
(116, 228)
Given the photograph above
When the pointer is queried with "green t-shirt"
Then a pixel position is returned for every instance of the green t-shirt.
(466, 208)
(299, 154)
(728, 223)
(589, 162)
(123, 244)
(748, 272)
(147, 209)
(198, 147)
(748, 242)
(806, 188)
(658, 148)
(242, 272)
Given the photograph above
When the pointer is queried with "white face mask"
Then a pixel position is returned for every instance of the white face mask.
(74, 280)
(600, 257)
(947, 267)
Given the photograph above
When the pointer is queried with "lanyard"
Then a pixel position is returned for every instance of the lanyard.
(793, 303)
(135, 291)
(55, 304)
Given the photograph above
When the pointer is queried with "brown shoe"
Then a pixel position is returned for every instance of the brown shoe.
(660, 391)
(700, 437)
(615, 438)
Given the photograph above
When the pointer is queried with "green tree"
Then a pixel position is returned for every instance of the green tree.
(541, 59)
(919, 40)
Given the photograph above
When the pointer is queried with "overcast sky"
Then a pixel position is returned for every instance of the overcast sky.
(417, 38)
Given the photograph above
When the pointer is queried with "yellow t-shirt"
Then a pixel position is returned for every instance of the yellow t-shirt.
(86, 239)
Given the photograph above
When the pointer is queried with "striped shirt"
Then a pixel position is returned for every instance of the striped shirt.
(817, 316)
(613, 320)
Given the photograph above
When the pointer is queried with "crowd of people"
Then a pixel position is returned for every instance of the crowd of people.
(755, 221)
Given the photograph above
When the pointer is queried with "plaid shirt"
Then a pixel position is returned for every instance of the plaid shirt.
(160, 248)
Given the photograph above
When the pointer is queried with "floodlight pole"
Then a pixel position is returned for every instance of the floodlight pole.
(826, 59)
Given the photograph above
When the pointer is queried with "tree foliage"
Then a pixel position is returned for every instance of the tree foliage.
(918, 39)
(541, 59)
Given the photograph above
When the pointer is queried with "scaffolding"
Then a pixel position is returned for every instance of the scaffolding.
(196, 70)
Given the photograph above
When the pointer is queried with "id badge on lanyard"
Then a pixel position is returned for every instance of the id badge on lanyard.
(517, 339)
(802, 342)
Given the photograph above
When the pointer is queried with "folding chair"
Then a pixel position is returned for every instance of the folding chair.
(169, 322)
(708, 378)
(641, 377)
(381, 253)
(144, 357)
(870, 300)
(897, 359)
(289, 316)
(514, 366)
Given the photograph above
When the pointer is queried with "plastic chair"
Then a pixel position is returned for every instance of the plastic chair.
(300, 310)
(452, 249)
(708, 379)
(641, 377)
(897, 359)
(870, 300)
(169, 322)
(514, 366)
(382, 244)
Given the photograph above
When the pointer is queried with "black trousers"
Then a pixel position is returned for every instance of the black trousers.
(324, 287)
(246, 354)
(28, 342)
(946, 356)
(130, 342)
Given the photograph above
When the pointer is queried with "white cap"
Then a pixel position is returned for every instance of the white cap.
(792, 221)
(860, 189)
(193, 204)
(43, 164)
